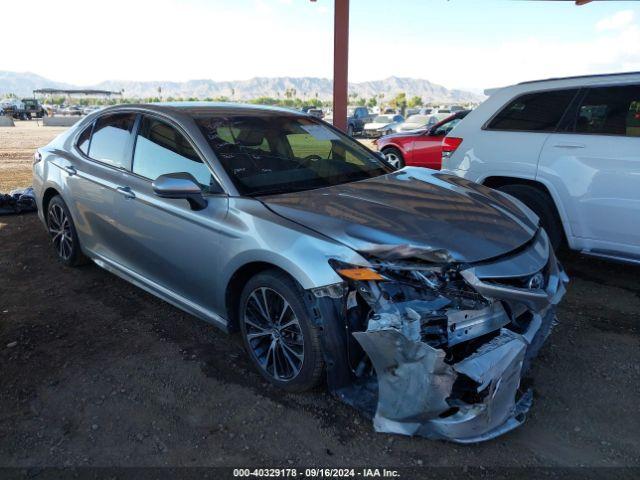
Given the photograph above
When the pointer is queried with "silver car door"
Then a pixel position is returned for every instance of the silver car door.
(173, 248)
(93, 175)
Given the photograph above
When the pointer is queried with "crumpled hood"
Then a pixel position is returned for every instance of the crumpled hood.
(412, 213)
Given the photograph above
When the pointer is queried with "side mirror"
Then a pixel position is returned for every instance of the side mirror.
(180, 185)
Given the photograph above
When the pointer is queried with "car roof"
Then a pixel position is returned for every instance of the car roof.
(574, 81)
(191, 108)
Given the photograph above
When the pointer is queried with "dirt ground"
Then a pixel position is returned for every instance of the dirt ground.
(17, 146)
(96, 372)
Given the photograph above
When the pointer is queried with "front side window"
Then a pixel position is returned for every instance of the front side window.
(280, 153)
(534, 112)
(111, 139)
(610, 111)
(161, 149)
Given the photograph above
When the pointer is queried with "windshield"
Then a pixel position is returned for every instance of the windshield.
(280, 153)
(383, 119)
(421, 119)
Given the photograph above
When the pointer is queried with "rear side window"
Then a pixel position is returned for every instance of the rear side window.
(534, 112)
(111, 139)
(610, 111)
(161, 149)
(84, 139)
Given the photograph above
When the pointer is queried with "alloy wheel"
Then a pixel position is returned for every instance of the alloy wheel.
(273, 334)
(393, 159)
(60, 231)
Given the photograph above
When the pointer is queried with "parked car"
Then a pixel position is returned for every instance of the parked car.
(419, 148)
(24, 109)
(357, 117)
(421, 121)
(328, 262)
(71, 110)
(413, 122)
(569, 148)
(382, 125)
(316, 112)
(90, 109)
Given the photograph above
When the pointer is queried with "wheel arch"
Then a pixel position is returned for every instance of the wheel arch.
(236, 283)
(48, 194)
(397, 147)
(500, 181)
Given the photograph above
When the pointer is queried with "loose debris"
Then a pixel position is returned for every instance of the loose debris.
(18, 201)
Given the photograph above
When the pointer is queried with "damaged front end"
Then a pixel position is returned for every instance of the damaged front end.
(438, 349)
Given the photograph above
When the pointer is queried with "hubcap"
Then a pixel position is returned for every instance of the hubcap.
(60, 231)
(393, 159)
(273, 333)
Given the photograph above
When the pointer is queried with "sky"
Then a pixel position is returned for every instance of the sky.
(468, 44)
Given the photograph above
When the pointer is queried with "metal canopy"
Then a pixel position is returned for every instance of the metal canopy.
(57, 91)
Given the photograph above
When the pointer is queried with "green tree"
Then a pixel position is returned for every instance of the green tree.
(372, 102)
(399, 102)
(415, 102)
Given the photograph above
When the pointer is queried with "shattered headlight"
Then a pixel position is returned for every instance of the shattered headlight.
(433, 277)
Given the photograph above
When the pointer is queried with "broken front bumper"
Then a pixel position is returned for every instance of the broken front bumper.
(475, 394)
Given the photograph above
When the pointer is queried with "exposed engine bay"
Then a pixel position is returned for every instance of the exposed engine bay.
(439, 349)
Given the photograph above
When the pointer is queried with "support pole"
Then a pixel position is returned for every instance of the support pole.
(340, 64)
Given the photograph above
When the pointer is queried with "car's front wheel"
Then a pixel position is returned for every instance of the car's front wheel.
(394, 157)
(278, 333)
(63, 233)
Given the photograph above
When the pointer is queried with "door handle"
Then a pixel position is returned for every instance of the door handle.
(70, 170)
(568, 145)
(126, 191)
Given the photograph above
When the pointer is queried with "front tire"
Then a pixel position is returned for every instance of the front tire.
(350, 130)
(278, 334)
(64, 236)
(542, 205)
(394, 157)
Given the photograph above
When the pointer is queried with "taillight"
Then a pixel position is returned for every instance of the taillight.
(450, 145)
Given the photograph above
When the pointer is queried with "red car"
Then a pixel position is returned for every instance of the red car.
(419, 148)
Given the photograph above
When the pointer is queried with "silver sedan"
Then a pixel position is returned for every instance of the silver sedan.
(420, 297)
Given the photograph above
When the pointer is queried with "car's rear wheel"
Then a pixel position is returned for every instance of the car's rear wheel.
(394, 157)
(64, 236)
(543, 206)
(278, 334)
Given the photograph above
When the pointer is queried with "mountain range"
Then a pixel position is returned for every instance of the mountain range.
(23, 84)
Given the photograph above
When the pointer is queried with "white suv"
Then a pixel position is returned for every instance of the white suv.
(569, 148)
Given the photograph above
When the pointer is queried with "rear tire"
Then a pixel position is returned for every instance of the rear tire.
(278, 333)
(64, 236)
(542, 205)
(394, 157)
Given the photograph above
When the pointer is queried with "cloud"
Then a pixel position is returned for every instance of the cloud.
(617, 21)
(612, 46)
